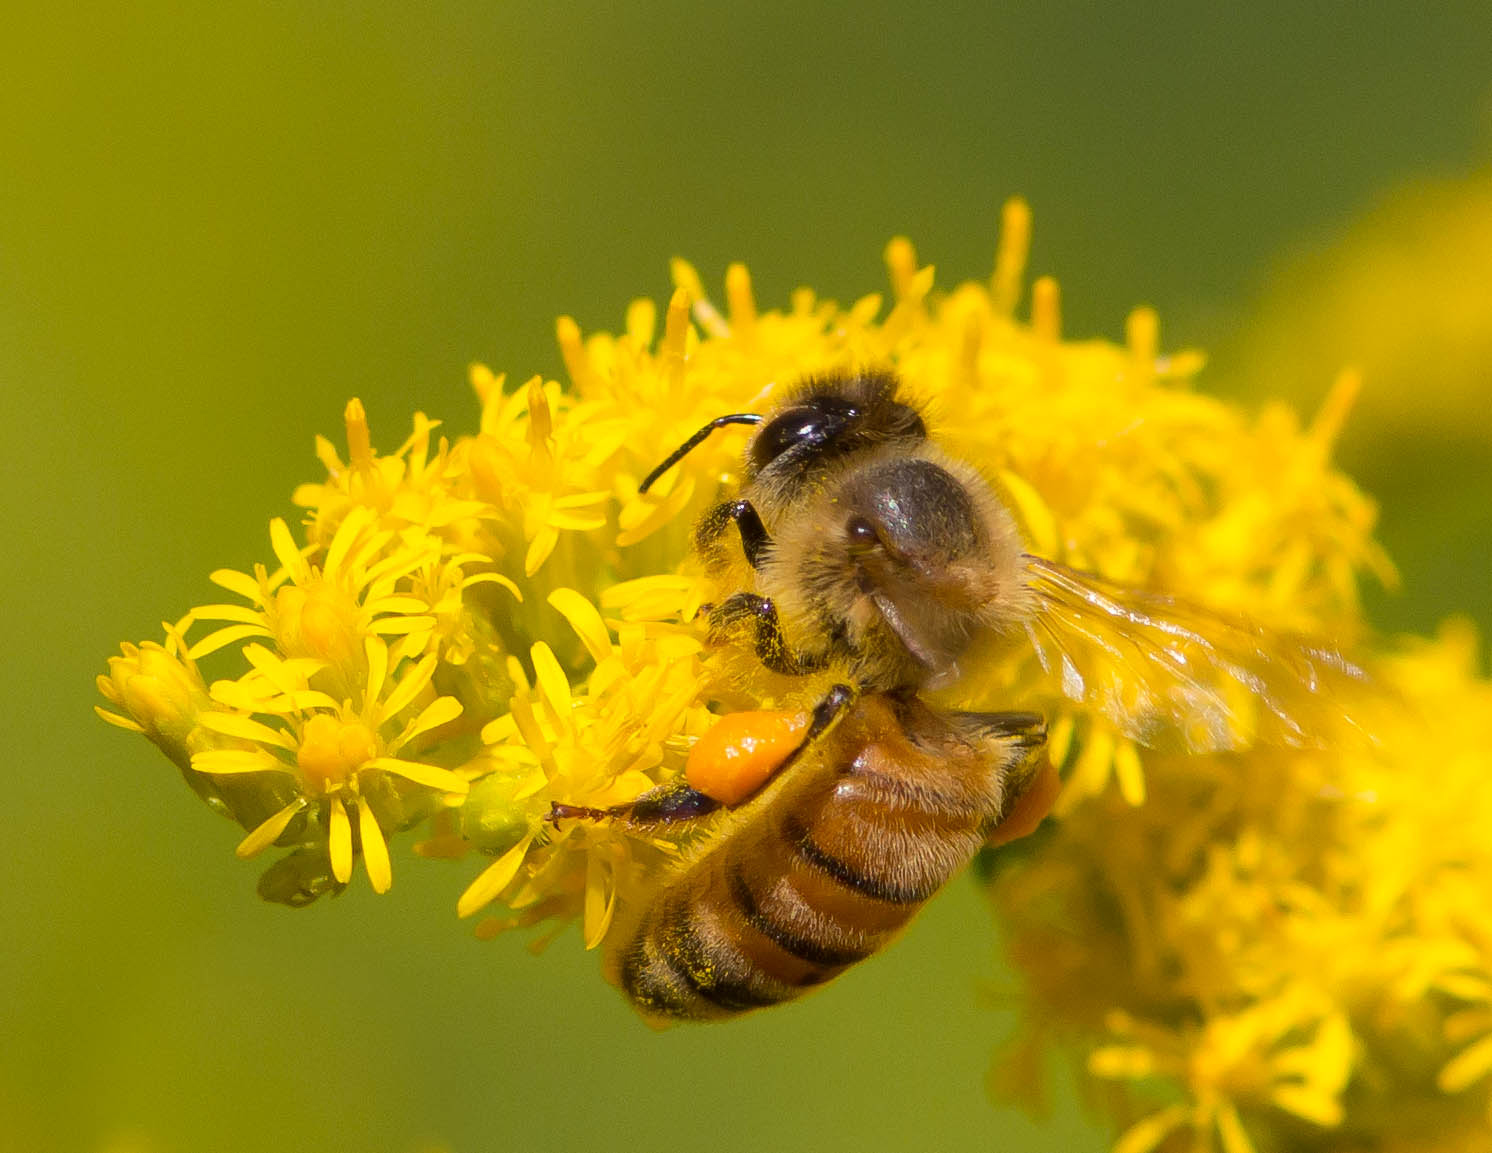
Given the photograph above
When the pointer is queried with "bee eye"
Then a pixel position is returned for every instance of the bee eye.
(809, 426)
(861, 533)
(791, 428)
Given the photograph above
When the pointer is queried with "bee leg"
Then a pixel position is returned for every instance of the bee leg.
(675, 801)
(1014, 741)
(835, 703)
(754, 539)
(678, 801)
(771, 647)
(1026, 731)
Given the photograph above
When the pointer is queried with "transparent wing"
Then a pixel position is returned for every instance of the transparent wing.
(1166, 672)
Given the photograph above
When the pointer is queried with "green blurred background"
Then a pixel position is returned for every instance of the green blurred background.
(217, 222)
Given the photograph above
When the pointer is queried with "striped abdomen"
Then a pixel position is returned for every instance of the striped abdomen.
(823, 868)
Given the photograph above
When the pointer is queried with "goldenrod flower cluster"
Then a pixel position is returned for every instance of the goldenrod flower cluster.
(1278, 950)
(461, 632)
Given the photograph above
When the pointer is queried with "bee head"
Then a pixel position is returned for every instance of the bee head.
(830, 419)
(927, 557)
(910, 522)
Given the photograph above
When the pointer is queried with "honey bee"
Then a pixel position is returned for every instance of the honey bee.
(878, 561)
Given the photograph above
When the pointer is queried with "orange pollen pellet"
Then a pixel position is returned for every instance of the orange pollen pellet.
(738, 755)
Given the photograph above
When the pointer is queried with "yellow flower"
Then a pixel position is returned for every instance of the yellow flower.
(1257, 949)
(324, 612)
(457, 550)
(606, 744)
(337, 756)
(1289, 1054)
(158, 689)
(1277, 934)
(1401, 294)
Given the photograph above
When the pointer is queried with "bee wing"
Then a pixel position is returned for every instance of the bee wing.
(1163, 670)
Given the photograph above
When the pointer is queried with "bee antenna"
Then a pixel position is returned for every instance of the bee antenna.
(695, 441)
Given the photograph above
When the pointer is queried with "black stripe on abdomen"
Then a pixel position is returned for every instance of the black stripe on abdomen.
(785, 938)
(721, 980)
(796, 833)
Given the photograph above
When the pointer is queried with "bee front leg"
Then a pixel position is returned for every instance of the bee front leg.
(754, 539)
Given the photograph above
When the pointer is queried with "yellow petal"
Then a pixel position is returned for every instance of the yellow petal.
(496, 579)
(1145, 1135)
(220, 638)
(641, 518)
(684, 276)
(1059, 739)
(1034, 513)
(339, 842)
(739, 301)
(576, 522)
(431, 776)
(642, 322)
(493, 879)
(1124, 1061)
(346, 536)
(1128, 773)
(378, 668)
(407, 647)
(1230, 1128)
(440, 711)
(401, 604)
(289, 676)
(243, 614)
(267, 832)
(223, 761)
(600, 901)
(539, 549)
(585, 620)
(1011, 252)
(552, 681)
(117, 720)
(1467, 1067)
(287, 551)
(578, 500)
(236, 582)
(375, 849)
(1314, 1105)
(498, 731)
(400, 626)
(232, 725)
(410, 685)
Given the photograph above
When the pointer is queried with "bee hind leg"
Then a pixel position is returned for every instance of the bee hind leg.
(1030, 782)
(1022, 730)
(679, 801)
(675, 801)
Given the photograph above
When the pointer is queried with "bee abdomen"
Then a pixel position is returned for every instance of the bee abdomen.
(892, 838)
(897, 881)
(685, 962)
(823, 877)
(813, 943)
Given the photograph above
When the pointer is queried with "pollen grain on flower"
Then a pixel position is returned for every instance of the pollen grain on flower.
(1252, 948)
